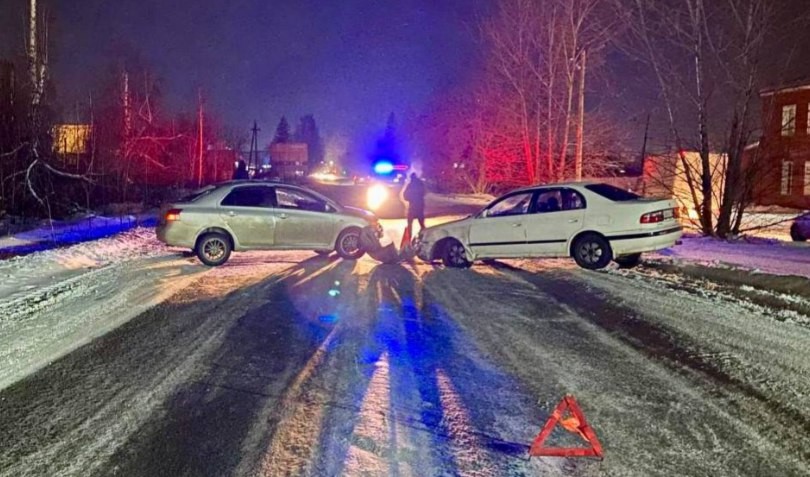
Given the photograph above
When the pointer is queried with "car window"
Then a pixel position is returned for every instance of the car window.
(548, 201)
(516, 204)
(298, 199)
(251, 196)
(572, 200)
(612, 193)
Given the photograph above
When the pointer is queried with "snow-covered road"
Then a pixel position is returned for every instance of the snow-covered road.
(292, 364)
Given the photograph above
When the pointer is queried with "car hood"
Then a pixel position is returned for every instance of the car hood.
(360, 213)
(448, 227)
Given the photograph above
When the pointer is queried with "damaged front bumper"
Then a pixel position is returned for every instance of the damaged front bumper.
(422, 248)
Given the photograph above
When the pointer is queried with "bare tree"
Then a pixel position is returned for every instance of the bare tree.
(37, 52)
(537, 52)
(706, 58)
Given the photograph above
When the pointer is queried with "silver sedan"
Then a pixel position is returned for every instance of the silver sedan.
(252, 215)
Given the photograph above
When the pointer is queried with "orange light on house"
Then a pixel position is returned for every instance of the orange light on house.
(71, 138)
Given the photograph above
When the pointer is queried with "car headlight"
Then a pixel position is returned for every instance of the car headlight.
(376, 196)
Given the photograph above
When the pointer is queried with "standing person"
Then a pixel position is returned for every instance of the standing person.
(241, 171)
(414, 195)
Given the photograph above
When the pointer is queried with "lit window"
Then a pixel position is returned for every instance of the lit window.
(789, 120)
(787, 177)
(806, 177)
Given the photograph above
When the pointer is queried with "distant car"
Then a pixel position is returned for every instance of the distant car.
(800, 230)
(253, 215)
(593, 223)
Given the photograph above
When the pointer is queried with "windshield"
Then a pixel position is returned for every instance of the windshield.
(335, 205)
(612, 193)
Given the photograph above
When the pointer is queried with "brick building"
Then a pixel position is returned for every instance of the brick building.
(784, 148)
(289, 160)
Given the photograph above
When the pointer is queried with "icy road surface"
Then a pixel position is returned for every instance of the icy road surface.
(297, 365)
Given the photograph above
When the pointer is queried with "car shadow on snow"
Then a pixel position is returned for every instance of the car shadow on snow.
(440, 415)
(205, 427)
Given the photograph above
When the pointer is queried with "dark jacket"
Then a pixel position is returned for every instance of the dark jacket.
(241, 171)
(414, 195)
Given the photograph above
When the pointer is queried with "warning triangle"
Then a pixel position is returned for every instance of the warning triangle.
(575, 424)
(406, 239)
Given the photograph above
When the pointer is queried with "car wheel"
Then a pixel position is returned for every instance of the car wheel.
(348, 244)
(592, 251)
(629, 261)
(454, 255)
(213, 249)
(796, 234)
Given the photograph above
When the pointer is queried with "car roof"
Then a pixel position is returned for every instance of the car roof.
(248, 181)
(554, 184)
(232, 183)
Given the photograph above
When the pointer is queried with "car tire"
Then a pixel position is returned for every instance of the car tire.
(796, 234)
(348, 244)
(628, 261)
(213, 249)
(592, 251)
(454, 255)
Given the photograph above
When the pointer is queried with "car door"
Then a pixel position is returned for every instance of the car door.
(555, 216)
(303, 220)
(249, 214)
(499, 229)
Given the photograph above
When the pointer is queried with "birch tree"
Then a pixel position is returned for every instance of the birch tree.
(706, 58)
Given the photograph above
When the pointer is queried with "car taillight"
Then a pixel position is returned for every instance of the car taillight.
(676, 212)
(173, 215)
(653, 217)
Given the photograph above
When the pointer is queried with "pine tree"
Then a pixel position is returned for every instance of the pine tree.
(388, 144)
(282, 131)
(307, 132)
(391, 129)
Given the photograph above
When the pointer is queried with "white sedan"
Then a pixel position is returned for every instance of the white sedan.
(592, 222)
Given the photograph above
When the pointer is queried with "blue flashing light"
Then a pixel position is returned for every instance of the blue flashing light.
(327, 318)
(383, 167)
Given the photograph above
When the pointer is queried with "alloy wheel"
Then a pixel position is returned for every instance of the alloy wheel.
(214, 249)
(350, 244)
(590, 252)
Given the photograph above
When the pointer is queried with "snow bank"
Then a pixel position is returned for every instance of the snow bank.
(760, 255)
(55, 233)
(54, 301)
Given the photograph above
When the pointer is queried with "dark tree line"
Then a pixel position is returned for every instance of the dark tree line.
(307, 133)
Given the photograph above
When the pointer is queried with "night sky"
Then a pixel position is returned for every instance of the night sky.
(348, 62)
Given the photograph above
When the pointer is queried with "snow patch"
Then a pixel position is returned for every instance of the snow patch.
(761, 255)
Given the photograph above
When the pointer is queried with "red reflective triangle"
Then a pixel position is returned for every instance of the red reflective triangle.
(406, 239)
(575, 424)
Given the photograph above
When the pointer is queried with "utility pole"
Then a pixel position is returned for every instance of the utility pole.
(580, 117)
(253, 155)
(644, 144)
(200, 138)
(644, 151)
